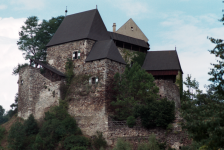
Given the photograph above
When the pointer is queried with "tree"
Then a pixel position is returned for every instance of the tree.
(217, 72)
(203, 115)
(34, 37)
(132, 87)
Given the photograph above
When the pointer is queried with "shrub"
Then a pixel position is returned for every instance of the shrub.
(153, 143)
(38, 144)
(75, 141)
(122, 145)
(79, 148)
(143, 146)
(2, 132)
(16, 137)
(30, 126)
(156, 113)
(99, 141)
(131, 122)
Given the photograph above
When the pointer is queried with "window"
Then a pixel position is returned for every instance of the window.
(132, 29)
(93, 80)
(76, 55)
(21, 82)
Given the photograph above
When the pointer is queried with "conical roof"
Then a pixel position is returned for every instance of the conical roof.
(84, 25)
(130, 28)
(105, 50)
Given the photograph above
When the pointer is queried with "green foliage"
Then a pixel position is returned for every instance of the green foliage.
(17, 137)
(3, 118)
(30, 126)
(2, 132)
(57, 126)
(38, 143)
(217, 72)
(34, 37)
(139, 58)
(153, 142)
(18, 67)
(131, 122)
(156, 113)
(135, 86)
(69, 71)
(76, 142)
(203, 113)
(122, 145)
(79, 148)
(143, 146)
(99, 141)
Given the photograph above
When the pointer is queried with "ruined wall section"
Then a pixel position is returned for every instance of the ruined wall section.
(57, 55)
(36, 93)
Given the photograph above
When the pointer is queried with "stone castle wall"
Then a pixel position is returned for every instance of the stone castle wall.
(88, 103)
(36, 93)
(57, 55)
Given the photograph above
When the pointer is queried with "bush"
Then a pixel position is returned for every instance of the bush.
(75, 141)
(122, 145)
(79, 148)
(2, 132)
(153, 143)
(99, 141)
(156, 113)
(30, 126)
(143, 146)
(17, 137)
(131, 122)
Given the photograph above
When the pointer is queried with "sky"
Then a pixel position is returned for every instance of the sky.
(184, 24)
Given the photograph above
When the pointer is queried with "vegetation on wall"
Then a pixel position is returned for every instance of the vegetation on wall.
(137, 95)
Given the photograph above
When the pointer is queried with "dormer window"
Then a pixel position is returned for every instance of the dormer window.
(76, 55)
(132, 29)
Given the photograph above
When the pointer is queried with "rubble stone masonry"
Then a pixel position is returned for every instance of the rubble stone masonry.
(36, 93)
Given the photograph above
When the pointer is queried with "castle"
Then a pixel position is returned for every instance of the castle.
(99, 54)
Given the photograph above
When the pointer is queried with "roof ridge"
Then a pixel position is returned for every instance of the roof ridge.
(81, 12)
(92, 23)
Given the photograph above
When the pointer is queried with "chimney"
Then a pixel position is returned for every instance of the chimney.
(114, 27)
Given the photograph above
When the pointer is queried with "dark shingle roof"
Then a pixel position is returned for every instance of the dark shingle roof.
(162, 60)
(84, 25)
(105, 49)
(128, 39)
(49, 67)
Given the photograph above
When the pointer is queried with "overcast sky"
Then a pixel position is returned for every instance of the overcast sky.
(185, 24)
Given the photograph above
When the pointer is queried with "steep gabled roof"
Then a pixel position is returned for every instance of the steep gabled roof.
(128, 39)
(105, 49)
(162, 60)
(48, 67)
(84, 25)
(130, 28)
